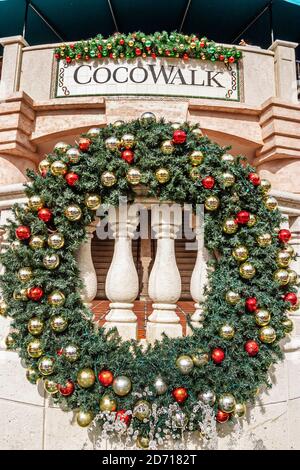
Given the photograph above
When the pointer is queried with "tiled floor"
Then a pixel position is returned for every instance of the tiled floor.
(143, 309)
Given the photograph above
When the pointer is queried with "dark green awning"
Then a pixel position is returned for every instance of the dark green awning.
(46, 21)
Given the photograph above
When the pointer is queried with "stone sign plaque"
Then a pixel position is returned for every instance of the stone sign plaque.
(160, 77)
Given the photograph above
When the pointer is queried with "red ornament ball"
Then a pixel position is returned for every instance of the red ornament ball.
(221, 57)
(291, 297)
(254, 178)
(35, 293)
(222, 417)
(180, 394)
(45, 214)
(251, 304)
(84, 143)
(208, 182)
(106, 377)
(251, 347)
(179, 136)
(284, 235)
(243, 217)
(185, 56)
(218, 355)
(71, 178)
(121, 42)
(123, 416)
(138, 51)
(60, 351)
(128, 156)
(23, 232)
(66, 390)
(231, 59)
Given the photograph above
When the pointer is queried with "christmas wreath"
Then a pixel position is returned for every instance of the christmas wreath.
(148, 396)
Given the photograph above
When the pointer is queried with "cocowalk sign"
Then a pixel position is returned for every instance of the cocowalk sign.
(162, 77)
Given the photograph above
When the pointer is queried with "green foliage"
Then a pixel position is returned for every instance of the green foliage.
(238, 373)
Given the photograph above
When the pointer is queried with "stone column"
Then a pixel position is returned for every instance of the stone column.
(164, 281)
(122, 282)
(285, 70)
(86, 266)
(11, 64)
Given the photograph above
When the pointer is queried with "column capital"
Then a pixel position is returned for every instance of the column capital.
(13, 40)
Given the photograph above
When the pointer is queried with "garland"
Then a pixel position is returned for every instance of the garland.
(160, 44)
(154, 396)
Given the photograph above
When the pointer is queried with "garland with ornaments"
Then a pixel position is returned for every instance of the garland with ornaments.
(154, 396)
(145, 46)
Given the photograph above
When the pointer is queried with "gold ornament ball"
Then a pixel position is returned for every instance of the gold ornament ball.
(271, 203)
(228, 179)
(148, 117)
(196, 157)
(35, 326)
(208, 397)
(46, 365)
(3, 308)
(211, 203)
(9, 342)
(107, 403)
(197, 133)
(112, 143)
(133, 176)
(265, 185)
(73, 155)
(247, 270)
(293, 277)
(167, 147)
(226, 331)
(142, 410)
(143, 442)
(32, 375)
(61, 148)
(252, 220)
(50, 386)
(200, 358)
(93, 132)
(281, 276)
(264, 239)
(44, 166)
(51, 261)
(239, 410)
(118, 123)
(267, 334)
(289, 249)
(288, 325)
(176, 125)
(86, 377)
(232, 297)
(20, 294)
(227, 403)
(36, 242)
(240, 253)
(58, 323)
(58, 168)
(84, 418)
(121, 385)
(34, 348)
(35, 202)
(227, 158)
(108, 179)
(195, 174)
(56, 298)
(128, 141)
(25, 274)
(92, 201)
(162, 175)
(56, 240)
(185, 364)
(73, 212)
(283, 259)
(160, 385)
(262, 317)
(71, 353)
(230, 226)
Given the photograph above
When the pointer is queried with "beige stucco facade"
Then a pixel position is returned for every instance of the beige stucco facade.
(264, 126)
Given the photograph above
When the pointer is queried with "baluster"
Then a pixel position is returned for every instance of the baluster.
(122, 283)
(86, 266)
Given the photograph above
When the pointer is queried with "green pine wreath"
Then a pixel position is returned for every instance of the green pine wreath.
(245, 319)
